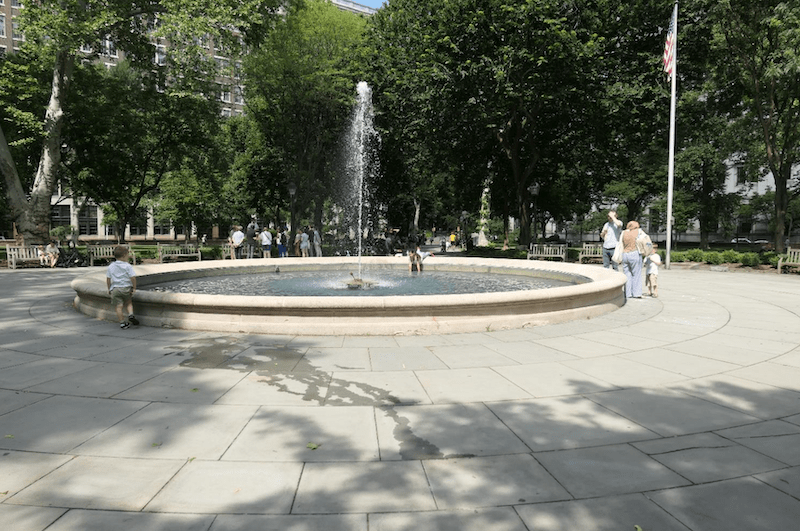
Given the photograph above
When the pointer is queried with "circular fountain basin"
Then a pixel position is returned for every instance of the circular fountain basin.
(596, 291)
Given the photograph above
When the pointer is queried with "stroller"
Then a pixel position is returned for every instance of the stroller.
(70, 257)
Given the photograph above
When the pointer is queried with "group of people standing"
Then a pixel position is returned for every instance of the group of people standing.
(244, 243)
(633, 250)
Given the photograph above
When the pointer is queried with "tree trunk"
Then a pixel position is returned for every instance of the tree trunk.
(32, 216)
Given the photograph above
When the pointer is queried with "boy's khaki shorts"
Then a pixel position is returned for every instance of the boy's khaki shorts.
(652, 280)
(121, 295)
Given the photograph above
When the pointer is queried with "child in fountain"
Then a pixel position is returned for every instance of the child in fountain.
(416, 258)
(121, 282)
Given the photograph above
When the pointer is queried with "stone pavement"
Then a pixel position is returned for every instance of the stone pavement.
(676, 413)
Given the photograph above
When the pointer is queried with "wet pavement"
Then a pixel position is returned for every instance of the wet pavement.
(675, 413)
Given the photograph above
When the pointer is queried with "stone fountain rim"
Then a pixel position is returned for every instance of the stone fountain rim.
(347, 315)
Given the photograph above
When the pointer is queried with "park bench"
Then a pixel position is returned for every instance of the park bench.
(591, 252)
(18, 254)
(185, 250)
(792, 259)
(547, 251)
(106, 252)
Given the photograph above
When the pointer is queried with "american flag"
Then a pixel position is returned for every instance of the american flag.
(669, 46)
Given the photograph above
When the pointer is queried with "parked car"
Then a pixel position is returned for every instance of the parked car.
(761, 242)
(741, 240)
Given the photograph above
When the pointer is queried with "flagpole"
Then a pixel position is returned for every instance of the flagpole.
(671, 165)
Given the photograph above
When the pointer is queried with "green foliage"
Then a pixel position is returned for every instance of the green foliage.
(769, 258)
(750, 259)
(713, 257)
(62, 232)
(729, 256)
(695, 255)
(678, 256)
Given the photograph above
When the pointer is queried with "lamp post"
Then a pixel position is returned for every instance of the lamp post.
(534, 191)
(292, 191)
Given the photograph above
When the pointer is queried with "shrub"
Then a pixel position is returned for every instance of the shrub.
(750, 259)
(769, 258)
(677, 256)
(773, 260)
(695, 255)
(731, 257)
(713, 257)
(211, 253)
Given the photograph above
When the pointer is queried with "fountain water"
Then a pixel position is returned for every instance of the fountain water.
(361, 160)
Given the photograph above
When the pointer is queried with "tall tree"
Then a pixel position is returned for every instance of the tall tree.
(300, 88)
(58, 30)
(126, 135)
(760, 42)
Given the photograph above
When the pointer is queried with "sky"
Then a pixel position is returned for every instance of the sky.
(375, 4)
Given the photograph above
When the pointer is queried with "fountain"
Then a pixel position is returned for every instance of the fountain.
(586, 291)
(360, 162)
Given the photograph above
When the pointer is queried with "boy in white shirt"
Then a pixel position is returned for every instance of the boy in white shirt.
(651, 264)
(121, 282)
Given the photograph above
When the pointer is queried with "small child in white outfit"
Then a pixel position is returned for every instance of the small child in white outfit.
(651, 264)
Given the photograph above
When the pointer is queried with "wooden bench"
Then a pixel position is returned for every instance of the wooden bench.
(106, 252)
(590, 252)
(547, 251)
(185, 250)
(792, 259)
(17, 254)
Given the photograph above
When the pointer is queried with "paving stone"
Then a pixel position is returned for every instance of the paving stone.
(11, 400)
(611, 513)
(42, 370)
(60, 423)
(607, 471)
(9, 358)
(553, 379)
(20, 469)
(129, 521)
(172, 431)
(679, 362)
(776, 439)
(375, 389)
(500, 519)
(21, 518)
(408, 358)
(786, 480)
(468, 385)
(670, 413)
(772, 374)
(344, 522)
(527, 352)
(434, 432)
(293, 389)
(466, 356)
(624, 373)
(338, 359)
(727, 353)
(335, 488)
(207, 487)
(184, 385)
(283, 434)
(461, 483)
(754, 398)
(100, 381)
(100, 483)
(582, 348)
(567, 422)
(743, 504)
(707, 457)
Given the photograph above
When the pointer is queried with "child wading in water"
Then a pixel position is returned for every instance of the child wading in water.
(121, 282)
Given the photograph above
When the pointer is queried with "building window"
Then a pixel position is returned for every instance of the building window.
(60, 215)
(16, 34)
(87, 221)
(164, 229)
(238, 95)
(225, 94)
(226, 113)
(2, 26)
(108, 48)
(741, 177)
(161, 55)
(2, 51)
(16, 3)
